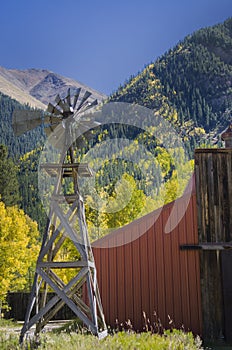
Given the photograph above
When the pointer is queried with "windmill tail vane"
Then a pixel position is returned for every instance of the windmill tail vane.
(77, 286)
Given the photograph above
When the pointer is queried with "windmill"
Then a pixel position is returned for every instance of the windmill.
(66, 222)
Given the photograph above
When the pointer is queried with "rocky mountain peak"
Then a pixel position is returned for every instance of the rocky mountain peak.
(38, 87)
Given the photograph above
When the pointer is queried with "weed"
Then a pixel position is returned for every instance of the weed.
(74, 336)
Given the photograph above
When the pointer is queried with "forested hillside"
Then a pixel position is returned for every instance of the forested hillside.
(197, 76)
(194, 78)
(16, 145)
(19, 162)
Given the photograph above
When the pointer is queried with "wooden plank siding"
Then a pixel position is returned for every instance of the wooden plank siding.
(213, 168)
(149, 273)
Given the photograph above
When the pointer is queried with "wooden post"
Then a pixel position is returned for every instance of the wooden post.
(214, 204)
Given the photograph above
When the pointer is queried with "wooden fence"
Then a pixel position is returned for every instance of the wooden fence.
(18, 302)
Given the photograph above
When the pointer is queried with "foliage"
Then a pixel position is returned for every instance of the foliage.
(121, 197)
(9, 187)
(18, 249)
(28, 187)
(7, 323)
(17, 145)
(124, 205)
(175, 339)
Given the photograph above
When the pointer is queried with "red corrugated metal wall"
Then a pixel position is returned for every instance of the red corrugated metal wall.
(149, 272)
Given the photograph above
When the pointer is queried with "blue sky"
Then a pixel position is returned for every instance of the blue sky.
(100, 43)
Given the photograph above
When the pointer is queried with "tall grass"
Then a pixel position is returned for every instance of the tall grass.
(67, 338)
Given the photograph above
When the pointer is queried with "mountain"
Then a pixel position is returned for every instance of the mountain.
(12, 87)
(38, 87)
(194, 78)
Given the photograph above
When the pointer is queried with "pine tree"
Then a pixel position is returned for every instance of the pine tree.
(9, 187)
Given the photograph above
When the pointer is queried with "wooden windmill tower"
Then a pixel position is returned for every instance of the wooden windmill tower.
(64, 226)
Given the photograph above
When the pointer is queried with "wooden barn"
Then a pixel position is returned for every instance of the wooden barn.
(150, 272)
(182, 277)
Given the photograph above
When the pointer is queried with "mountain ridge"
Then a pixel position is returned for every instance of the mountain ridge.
(38, 87)
(15, 92)
(194, 78)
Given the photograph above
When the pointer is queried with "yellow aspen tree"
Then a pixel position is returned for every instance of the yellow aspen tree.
(19, 249)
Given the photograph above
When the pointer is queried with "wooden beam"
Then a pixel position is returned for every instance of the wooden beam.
(82, 169)
(207, 246)
(69, 302)
(65, 264)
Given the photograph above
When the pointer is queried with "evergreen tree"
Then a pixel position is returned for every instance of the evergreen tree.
(9, 187)
(24, 143)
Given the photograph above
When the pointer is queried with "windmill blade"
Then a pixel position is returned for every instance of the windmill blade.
(83, 108)
(64, 106)
(85, 97)
(88, 105)
(62, 103)
(58, 99)
(76, 96)
(94, 103)
(68, 98)
(53, 110)
(25, 120)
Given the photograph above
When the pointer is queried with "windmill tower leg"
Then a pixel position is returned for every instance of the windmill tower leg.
(59, 229)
